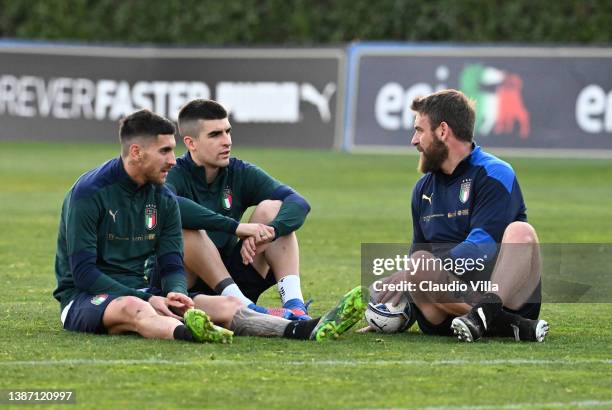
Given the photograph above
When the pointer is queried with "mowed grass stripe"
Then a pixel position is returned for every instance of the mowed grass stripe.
(356, 362)
(581, 404)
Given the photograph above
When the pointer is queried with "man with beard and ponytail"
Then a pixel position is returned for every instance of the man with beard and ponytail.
(467, 207)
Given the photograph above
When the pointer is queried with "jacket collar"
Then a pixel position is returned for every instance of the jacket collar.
(200, 172)
(123, 178)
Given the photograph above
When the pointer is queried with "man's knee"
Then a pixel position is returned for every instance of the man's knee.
(126, 310)
(132, 306)
(520, 232)
(266, 211)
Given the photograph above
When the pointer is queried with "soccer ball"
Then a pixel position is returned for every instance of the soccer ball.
(386, 318)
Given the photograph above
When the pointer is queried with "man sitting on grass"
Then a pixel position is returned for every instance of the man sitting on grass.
(222, 255)
(467, 210)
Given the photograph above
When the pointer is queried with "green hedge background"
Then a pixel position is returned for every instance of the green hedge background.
(308, 22)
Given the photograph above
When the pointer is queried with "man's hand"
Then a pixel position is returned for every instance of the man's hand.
(179, 302)
(248, 250)
(162, 306)
(260, 232)
(264, 234)
(394, 297)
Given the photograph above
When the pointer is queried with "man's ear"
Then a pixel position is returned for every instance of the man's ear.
(444, 131)
(189, 142)
(135, 152)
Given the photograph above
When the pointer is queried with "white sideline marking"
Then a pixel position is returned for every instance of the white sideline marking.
(549, 405)
(120, 362)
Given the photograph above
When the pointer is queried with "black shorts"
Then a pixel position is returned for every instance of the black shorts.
(250, 282)
(528, 310)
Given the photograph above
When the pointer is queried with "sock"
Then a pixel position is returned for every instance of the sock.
(491, 306)
(512, 325)
(247, 322)
(289, 288)
(182, 333)
(300, 329)
(227, 287)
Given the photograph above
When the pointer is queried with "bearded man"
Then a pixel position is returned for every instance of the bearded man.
(468, 214)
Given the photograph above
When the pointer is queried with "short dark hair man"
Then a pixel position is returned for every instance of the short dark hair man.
(118, 217)
(225, 187)
(467, 203)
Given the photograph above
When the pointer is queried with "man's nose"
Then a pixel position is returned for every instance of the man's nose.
(172, 159)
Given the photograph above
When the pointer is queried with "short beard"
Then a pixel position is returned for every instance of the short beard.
(155, 180)
(151, 174)
(431, 160)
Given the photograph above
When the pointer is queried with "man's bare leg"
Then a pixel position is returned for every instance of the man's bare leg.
(202, 260)
(516, 274)
(283, 254)
(517, 271)
(131, 314)
(348, 311)
(221, 309)
(229, 312)
(283, 257)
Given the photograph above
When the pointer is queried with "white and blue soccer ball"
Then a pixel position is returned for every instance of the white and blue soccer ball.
(386, 318)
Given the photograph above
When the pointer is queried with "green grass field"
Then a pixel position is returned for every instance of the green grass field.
(355, 199)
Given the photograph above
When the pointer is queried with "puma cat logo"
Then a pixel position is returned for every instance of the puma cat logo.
(320, 100)
(428, 198)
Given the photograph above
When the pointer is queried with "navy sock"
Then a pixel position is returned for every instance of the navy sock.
(505, 323)
(182, 333)
(223, 284)
(491, 306)
(300, 329)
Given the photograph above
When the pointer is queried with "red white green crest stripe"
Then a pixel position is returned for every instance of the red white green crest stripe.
(99, 299)
(227, 199)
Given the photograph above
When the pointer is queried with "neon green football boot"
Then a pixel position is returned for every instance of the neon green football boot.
(204, 330)
(342, 317)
